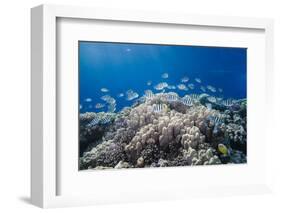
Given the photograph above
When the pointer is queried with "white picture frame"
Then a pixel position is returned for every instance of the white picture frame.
(44, 148)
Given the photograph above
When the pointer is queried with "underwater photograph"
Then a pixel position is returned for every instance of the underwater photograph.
(155, 105)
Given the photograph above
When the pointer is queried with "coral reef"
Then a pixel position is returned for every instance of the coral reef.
(162, 131)
(90, 135)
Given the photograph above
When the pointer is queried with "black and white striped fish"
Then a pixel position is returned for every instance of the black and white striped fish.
(172, 96)
(100, 120)
(195, 97)
(159, 107)
(111, 107)
(228, 102)
(105, 120)
(94, 122)
(148, 94)
(218, 119)
(187, 100)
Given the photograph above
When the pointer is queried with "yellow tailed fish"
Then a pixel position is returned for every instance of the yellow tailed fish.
(222, 149)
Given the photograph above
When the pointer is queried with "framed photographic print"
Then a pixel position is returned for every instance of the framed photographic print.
(149, 106)
(134, 113)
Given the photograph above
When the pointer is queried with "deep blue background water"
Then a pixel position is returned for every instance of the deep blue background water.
(120, 67)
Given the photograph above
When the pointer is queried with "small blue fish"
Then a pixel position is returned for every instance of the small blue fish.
(88, 100)
(120, 95)
(171, 87)
(203, 89)
(108, 99)
(211, 88)
(99, 105)
(184, 79)
(165, 75)
(198, 80)
(161, 86)
(104, 90)
(182, 87)
(191, 86)
(131, 95)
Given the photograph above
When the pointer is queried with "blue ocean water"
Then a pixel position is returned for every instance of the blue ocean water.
(119, 67)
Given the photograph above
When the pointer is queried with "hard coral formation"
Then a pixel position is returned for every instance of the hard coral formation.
(174, 135)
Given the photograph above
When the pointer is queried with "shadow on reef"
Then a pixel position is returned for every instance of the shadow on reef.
(165, 130)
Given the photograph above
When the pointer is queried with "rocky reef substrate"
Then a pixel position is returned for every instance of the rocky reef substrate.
(161, 131)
